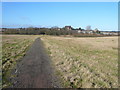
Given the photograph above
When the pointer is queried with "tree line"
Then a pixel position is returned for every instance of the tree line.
(38, 31)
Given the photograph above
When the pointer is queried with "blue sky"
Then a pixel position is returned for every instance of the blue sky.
(101, 15)
(60, 0)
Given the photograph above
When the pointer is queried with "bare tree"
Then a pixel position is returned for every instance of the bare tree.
(54, 27)
(88, 27)
(96, 29)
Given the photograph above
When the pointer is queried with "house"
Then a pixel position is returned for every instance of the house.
(85, 31)
(89, 31)
(96, 31)
(81, 31)
(58, 29)
(109, 32)
(68, 27)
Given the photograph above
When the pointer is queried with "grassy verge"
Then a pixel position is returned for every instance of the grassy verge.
(0, 61)
(14, 47)
(85, 62)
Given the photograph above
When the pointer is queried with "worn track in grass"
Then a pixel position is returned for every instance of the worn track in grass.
(34, 70)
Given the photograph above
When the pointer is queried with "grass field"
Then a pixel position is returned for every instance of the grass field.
(85, 62)
(0, 62)
(80, 62)
(13, 48)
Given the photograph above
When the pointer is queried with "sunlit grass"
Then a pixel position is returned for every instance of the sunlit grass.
(85, 62)
(14, 47)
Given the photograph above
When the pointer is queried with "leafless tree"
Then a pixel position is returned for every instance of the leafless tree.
(88, 27)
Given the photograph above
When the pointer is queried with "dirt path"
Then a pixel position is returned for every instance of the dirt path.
(34, 70)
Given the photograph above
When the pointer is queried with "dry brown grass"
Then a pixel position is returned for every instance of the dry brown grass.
(13, 48)
(85, 62)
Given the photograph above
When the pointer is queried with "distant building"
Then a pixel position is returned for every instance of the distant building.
(109, 33)
(96, 31)
(86, 31)
(116, 33)
(89, 31)
(68, 27)
(81, 31)
(56, 28)
(106, 33)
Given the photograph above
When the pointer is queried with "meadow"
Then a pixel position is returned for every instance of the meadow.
(14, 48)
(86, 62)
(79, 62)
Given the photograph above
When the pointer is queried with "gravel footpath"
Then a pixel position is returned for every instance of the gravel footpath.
(35, 70)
